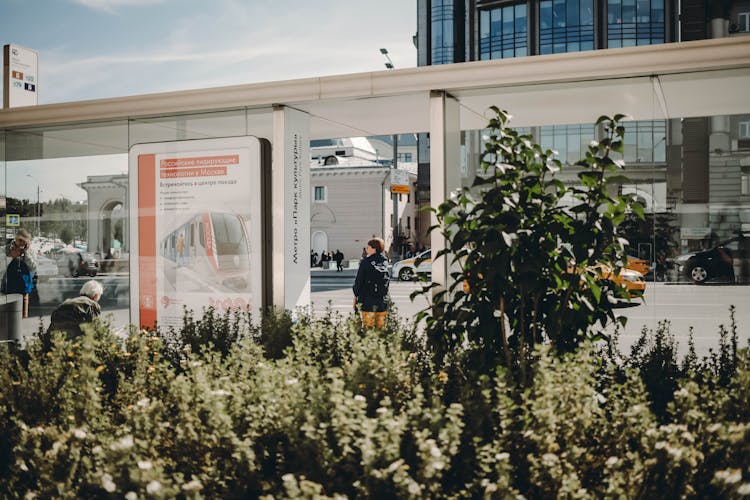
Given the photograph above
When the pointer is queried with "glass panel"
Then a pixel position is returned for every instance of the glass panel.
(635, 22)
(571, 29)
(181, 127)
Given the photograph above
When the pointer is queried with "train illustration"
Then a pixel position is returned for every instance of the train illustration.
(214, 246)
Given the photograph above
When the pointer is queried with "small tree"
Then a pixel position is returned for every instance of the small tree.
(527, 261)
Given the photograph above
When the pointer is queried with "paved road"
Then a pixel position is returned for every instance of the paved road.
(702, 307)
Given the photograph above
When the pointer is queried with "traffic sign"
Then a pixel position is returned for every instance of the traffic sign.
(13, 220)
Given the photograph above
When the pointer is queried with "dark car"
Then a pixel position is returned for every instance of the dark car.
(717, 262)
(78, 264)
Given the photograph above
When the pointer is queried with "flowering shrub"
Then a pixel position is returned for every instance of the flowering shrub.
(329, 411)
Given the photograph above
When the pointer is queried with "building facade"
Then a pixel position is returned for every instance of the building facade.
(351, 195)
(692, 173)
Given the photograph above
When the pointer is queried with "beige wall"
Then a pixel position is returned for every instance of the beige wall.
(358, 200)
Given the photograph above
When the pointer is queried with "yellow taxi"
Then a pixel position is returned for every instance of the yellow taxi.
(632, 281)
(640, 265)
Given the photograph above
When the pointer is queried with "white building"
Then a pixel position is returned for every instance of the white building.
(351, 195)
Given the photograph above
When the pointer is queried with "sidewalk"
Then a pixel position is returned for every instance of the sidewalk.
(317, 272)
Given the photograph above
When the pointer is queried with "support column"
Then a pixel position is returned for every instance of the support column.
(290, 211)
(445, 171)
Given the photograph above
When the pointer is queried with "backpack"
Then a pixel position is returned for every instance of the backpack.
(378, 279)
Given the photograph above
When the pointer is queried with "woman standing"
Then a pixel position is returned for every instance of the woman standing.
(371, 285)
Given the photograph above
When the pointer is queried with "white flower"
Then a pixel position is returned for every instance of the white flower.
(675, 452)
(131, 495)
(682, 393)
(688, 437)
(22, 465)
(153, 487)
(107, 483)
(219, 392)
(55, 448)
(438, 465)
(360, 397)
(395, 465)
(502, 456)
(79, 433)
(193, 485)
(744, 490)
(145, 465)
(660, 445)
(291, 381)
(124, 443)
(143, 402)
(729, 476)
(714, 427)
(435, 451)
(611, 461)
(196, 364)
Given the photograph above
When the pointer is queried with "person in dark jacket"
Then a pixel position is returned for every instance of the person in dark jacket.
(371, 285)
(19, 275)
(71, 314)
(338, 257)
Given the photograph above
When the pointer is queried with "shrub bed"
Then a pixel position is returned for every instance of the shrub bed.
(320, 408)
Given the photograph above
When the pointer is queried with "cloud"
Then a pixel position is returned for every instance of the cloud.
(111, 6)
(237, 43)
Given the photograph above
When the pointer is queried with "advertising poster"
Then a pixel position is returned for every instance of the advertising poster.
(198, 228)
(20, 74)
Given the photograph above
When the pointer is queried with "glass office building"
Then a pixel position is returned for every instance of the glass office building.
(690, 168)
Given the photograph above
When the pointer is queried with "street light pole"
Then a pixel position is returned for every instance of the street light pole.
(394, 165)
(38, 211)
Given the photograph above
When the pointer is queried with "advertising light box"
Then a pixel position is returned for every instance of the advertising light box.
(20, 77)
(197, 228)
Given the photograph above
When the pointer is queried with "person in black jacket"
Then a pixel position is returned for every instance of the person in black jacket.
(371, 285)
(71, 314)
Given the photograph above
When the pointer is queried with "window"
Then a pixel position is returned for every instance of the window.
(443, 44)
(320, 194)
(502, 32)
(566, 26)
(745, 184)
(404, 157)
(645, 141)
(743, 22)
(635, 22)
(744, 130)
(570, 141)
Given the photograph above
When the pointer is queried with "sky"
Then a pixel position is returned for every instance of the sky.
(91, 49)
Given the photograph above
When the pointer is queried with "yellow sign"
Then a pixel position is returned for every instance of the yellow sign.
(400, 181)
(13, 220)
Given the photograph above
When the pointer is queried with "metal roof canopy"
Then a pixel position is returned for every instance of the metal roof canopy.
(701, 78)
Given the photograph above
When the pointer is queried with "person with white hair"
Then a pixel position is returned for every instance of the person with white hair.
(71, 314)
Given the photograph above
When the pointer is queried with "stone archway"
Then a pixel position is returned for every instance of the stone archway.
(107, 213)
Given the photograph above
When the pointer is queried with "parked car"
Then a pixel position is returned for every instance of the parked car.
(715, 262)
(407, 269)
(76, 264)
